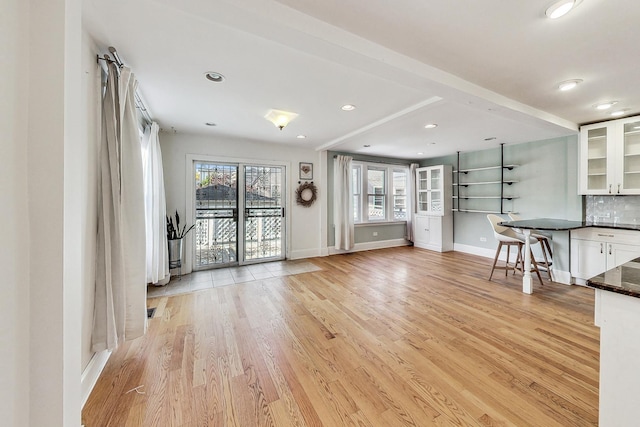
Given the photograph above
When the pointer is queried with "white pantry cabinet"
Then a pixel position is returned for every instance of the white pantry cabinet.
(433, 225)
(596, 250)
(610, 157)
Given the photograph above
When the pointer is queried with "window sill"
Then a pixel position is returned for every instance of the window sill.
(376, 223)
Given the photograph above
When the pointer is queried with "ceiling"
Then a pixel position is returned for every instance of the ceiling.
(479, 70)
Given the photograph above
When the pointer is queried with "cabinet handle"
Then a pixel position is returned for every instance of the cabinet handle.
(609, 188)
(606, 235)
(609, 249)
(618, 188)
(601, 248)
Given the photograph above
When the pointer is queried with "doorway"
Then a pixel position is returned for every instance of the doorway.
(239, 214)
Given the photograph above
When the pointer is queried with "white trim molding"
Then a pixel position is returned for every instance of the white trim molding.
(92, 372)
(366, 246)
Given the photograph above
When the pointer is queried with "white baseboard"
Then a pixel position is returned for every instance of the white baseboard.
(380, 244)
(560, 276)
(92, 372)
(305, 253)
(474, 250)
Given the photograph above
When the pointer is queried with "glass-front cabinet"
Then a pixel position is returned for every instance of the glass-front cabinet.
(430, 189)
(610, 157)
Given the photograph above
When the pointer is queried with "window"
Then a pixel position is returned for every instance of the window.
(379, 192)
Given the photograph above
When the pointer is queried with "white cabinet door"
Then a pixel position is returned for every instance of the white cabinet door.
(435, 232)
(588, 258)
(610, 157)
(618, 254)
(421, 234)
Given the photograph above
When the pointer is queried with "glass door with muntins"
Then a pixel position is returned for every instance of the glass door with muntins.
(216, 230)
(264, 225)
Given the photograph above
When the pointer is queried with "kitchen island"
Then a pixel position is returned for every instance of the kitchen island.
(617, 313)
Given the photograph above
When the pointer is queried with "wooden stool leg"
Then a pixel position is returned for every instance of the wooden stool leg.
(535, 267)
(543, 245)
(506, 265)
(495, 259)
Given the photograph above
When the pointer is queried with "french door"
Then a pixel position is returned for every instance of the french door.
(239, 214)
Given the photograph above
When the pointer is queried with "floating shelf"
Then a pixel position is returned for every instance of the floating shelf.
(484, 207)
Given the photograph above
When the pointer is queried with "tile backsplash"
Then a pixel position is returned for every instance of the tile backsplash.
(615, 209)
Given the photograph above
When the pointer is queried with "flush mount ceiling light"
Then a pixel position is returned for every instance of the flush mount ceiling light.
(210, 124)
(561, 8)
(280, 118)
(348, 107)
(366, 145)
(430, 126)
(420, 153)
(605, 105)
(491, 138)
(214, 76)
(619, 113)
(569, 84)
(301, 136)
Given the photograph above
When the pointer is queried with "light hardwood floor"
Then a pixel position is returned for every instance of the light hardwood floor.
(391, 337)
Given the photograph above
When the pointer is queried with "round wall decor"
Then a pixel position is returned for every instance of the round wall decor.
(306, 194)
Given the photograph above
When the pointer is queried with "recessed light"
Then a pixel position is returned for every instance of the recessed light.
(430, 126)
(210, 124)
(560, 8)
(214, 76)
(605, 105)
(348, 107)
(491, 138)
(366, 145)
(301, 136)
(420, 153)
(619, 112)
(569, 84)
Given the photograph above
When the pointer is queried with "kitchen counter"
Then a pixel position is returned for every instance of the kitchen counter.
(624, 279)
(551, 224)
(617, 313)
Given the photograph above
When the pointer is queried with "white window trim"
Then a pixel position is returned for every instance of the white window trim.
(389, 196)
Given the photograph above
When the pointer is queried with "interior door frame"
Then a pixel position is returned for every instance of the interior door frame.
(190, 191)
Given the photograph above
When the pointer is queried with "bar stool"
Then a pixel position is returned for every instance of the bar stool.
(545, 248)
(507, 237)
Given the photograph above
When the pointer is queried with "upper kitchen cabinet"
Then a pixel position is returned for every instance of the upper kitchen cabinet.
(610, 157)
(433, 188)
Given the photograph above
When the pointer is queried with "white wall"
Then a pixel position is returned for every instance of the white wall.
(14, 255)
(88, 188)
(39, 210)
(307, 228)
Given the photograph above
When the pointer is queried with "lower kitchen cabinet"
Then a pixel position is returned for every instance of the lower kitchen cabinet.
(433, 232)
(596, 250)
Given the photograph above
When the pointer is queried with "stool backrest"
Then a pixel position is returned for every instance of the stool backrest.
(494, 220)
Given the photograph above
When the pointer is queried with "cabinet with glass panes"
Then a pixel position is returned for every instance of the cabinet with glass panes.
(610, 157)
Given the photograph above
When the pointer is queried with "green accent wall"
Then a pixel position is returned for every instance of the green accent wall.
(547, 188)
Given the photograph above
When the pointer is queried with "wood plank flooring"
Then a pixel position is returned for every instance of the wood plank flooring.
(393, 337)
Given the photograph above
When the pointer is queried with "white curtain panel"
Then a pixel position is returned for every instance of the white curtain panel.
(120, 300)
(343, 202)
(155, 208)
(413, 203)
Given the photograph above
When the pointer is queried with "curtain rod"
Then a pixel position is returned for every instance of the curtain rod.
(378, 161)
(140, 105)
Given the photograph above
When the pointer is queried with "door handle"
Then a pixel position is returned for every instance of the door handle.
(601, 248)
(618, 188)
(609, 249)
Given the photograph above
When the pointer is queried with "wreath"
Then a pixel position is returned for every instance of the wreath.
(306, 194)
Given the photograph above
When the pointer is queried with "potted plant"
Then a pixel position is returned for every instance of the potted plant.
(175, 236)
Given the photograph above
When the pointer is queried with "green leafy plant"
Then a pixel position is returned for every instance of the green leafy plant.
(173, 229)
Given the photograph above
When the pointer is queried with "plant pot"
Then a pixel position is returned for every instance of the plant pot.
(175, 253)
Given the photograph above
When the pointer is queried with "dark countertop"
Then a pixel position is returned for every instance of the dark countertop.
(624, 279)
(551, 224)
